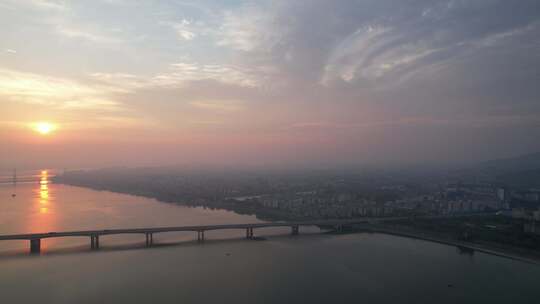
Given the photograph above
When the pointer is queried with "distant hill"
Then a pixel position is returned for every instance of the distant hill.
(520, 163)
(518, 172)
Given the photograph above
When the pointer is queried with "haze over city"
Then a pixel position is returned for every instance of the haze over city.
(267, 83)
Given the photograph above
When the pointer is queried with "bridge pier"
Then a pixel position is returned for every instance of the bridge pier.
(249, 233)
(295, 230)
(200, 235)
(35, 245)
(94, 242)
(149, 239)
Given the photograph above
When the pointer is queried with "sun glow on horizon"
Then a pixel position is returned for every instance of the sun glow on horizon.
(44, 128)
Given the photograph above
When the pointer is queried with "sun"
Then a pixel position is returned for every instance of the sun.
(44, 128)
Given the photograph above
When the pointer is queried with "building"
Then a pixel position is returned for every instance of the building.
(501, 194)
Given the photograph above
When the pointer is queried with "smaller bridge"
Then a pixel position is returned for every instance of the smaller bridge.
(94, 235)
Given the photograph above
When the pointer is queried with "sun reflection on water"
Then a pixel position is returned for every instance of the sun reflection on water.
(44, 215)
(44, 192)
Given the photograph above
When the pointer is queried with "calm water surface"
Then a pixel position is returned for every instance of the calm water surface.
(368, 268)
(42, 206)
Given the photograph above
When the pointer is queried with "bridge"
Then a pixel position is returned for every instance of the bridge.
(94, 235)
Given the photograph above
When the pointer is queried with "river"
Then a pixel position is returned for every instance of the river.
(315, 268)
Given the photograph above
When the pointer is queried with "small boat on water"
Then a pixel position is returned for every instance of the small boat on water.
(14, 182)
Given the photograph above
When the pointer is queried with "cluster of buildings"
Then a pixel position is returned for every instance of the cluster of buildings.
(435, 205)
(314, 205)
(525, 206)
(452, 199)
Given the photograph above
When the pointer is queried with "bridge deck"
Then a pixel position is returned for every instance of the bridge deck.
(89, 233)
(35, 238)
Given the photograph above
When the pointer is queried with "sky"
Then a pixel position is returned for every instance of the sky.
(268, 83)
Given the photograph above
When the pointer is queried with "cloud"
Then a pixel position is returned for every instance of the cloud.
(188, 30)
(389, 51)
(499, 37)
(183, 72)
(48, 4)
(183, 29)
(122, 82)
(89, 35)
(248, 28)
(374, 44)
(56, 92)
(222, 106)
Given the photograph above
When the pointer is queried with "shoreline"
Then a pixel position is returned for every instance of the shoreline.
(416, 234)
(458, 244)
(242, 208)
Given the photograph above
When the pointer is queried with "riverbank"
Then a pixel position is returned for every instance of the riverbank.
(245, 207)
(268, 214)
(511, 253)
